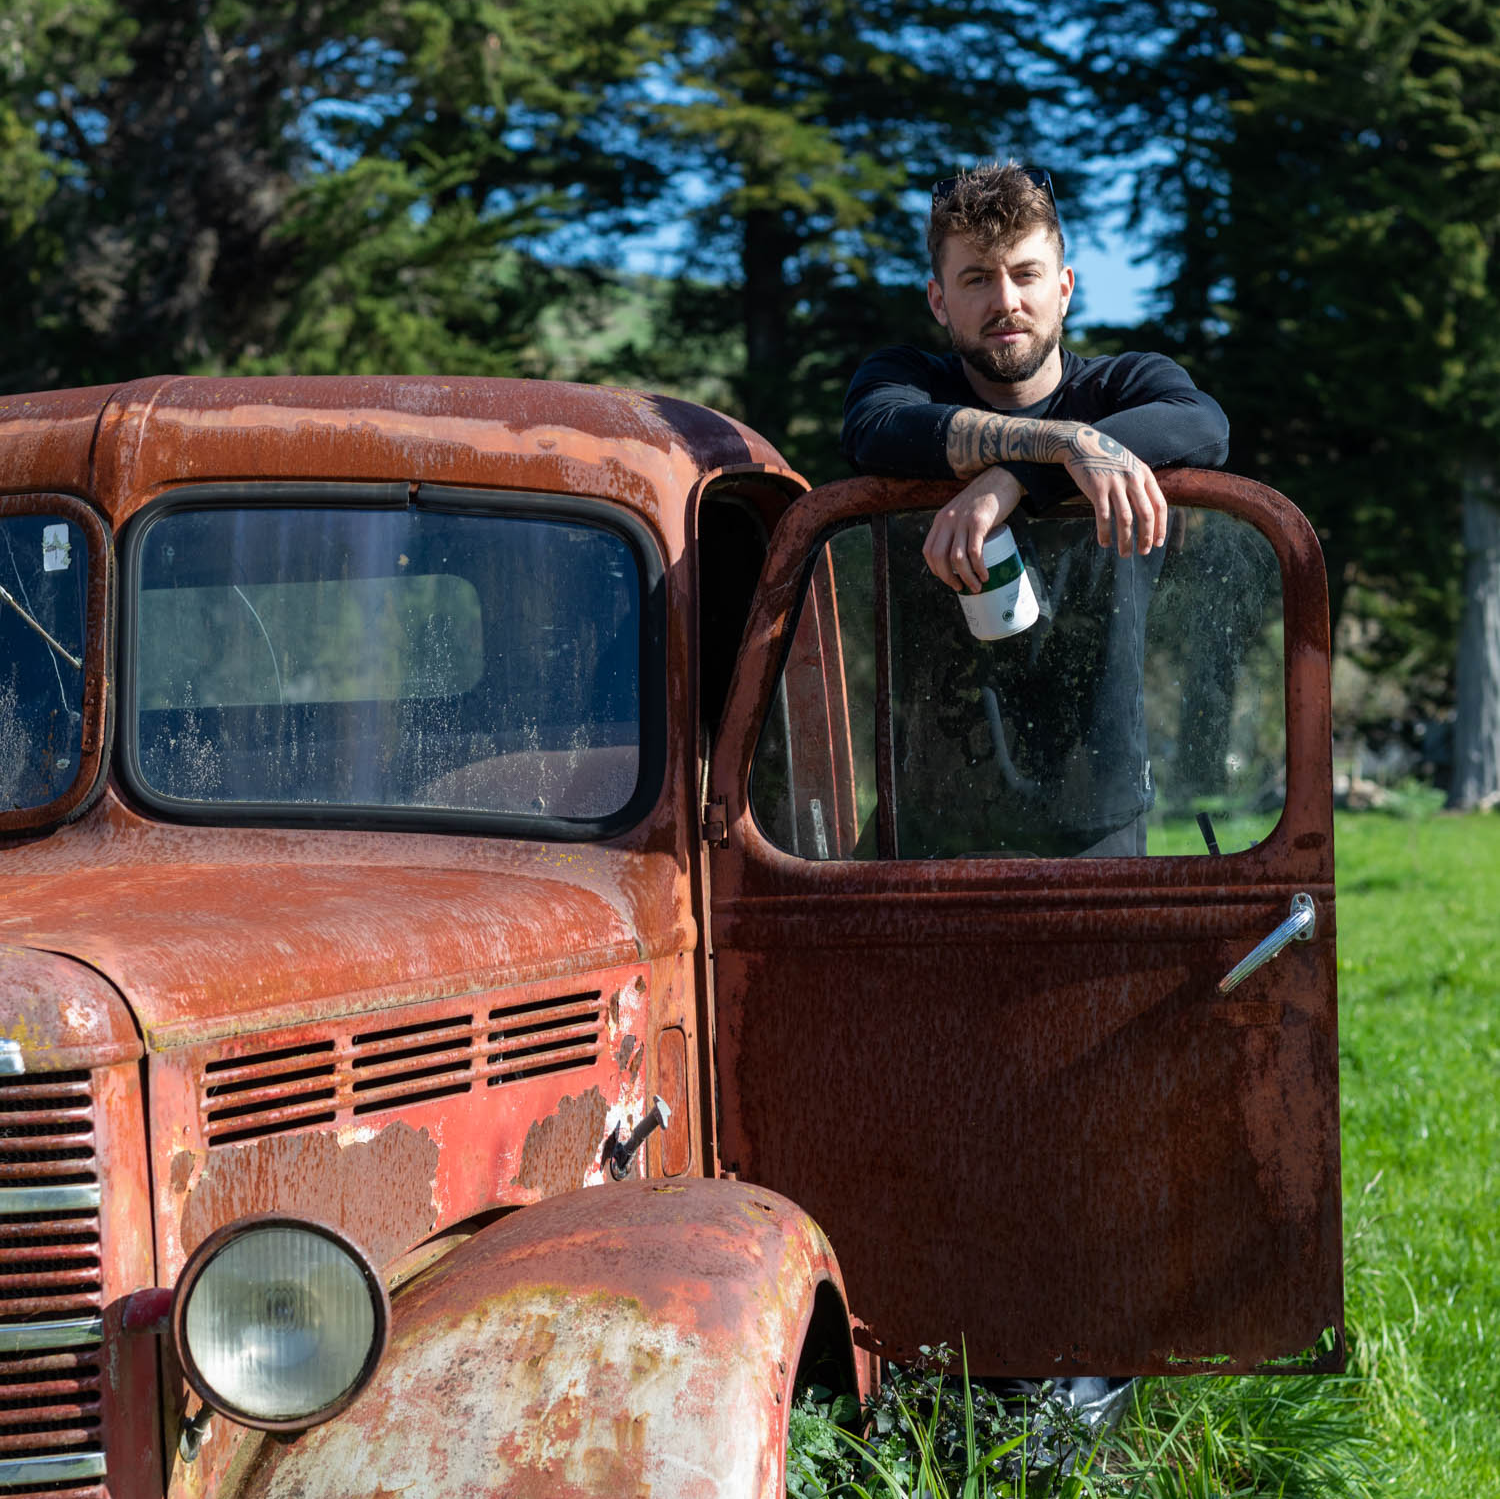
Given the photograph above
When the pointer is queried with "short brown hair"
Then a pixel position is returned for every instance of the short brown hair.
(993, 206)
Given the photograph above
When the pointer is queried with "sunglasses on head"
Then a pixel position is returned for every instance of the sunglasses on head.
(1039, 177)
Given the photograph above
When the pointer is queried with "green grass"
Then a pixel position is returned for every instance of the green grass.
(1418, 1413)
(1419, 989)
(1419, 1029)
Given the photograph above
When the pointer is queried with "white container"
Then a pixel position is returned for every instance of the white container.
(1006, 604)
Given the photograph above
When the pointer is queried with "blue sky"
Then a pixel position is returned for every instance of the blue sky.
(1114, 290)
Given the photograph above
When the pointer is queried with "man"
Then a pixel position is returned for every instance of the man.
(1029, 423)
(1009, 408)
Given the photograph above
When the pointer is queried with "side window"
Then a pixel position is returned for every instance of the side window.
(1141, 714)
(43, 610)
(813, 784)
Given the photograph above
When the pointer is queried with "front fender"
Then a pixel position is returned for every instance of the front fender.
(639, 1338)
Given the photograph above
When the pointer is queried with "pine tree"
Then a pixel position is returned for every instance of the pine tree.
(298, 184)
(1333, 198)
(799, 141)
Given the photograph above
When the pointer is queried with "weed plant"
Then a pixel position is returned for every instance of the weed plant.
(927, 1435)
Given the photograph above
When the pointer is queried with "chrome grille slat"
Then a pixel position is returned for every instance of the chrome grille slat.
(77, 1332)
(64, 1198)
(33, 1472)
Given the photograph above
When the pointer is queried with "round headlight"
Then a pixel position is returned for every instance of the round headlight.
(279, 1322)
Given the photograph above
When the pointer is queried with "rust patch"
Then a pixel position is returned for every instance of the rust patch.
(182, 1171)
(559, 1150)
(379, 1191)
(627, 1055)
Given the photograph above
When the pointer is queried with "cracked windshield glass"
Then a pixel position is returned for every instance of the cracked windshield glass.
(1142, 712)
(43, 609)
(413, 658)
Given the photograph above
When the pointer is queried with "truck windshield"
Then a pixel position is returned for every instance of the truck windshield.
(463, 662)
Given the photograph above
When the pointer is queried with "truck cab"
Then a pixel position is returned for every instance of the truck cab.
(523, 928)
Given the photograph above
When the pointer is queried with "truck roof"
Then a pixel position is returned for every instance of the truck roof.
(119, 445)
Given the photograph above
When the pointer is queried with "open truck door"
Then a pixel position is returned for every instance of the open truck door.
(973, 910)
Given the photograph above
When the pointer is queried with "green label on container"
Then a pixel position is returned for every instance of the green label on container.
(1007, 570)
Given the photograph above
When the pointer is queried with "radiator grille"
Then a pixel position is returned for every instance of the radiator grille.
(367, 1072)
(50, 1294)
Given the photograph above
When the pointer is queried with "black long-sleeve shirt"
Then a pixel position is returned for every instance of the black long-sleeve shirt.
(902, 401)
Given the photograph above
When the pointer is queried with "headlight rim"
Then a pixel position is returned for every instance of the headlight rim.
(209, 1250)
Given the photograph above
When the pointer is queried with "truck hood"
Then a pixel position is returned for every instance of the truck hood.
(203, 951)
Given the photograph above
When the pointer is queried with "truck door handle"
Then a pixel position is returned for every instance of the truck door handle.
(1298, 927)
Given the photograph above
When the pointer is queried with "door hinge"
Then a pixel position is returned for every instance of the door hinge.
(713, 823)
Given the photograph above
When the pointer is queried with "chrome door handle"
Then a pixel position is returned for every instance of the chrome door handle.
(1298, 927)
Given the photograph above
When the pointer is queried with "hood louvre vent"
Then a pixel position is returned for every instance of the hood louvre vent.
(356, 1073)
(551, 1035)
(412, 1062)
(244, 1098)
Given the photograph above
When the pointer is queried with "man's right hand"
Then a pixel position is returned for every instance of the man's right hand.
(954, 548)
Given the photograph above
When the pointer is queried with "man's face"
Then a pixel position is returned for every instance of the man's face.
(1004, 309)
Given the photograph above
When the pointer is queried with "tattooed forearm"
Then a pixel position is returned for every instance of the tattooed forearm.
(1129, 508)
(978, 440)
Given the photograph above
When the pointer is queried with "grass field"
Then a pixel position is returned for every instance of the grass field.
(1418, 1413)
(1419, 989)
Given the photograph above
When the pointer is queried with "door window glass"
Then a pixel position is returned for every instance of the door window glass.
(1141, 714)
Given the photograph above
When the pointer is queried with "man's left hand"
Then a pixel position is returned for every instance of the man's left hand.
(1122, 490)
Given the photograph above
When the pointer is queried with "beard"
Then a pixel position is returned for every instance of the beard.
(1013, 363)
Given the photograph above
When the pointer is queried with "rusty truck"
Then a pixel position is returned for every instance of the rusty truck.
(524, 929)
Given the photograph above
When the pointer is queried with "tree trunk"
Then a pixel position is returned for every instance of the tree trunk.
(1476, 731)
(767, 313)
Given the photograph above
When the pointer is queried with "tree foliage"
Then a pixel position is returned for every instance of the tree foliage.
(301, 184)
(407, 185)
(1330, 227)
(803, 138)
